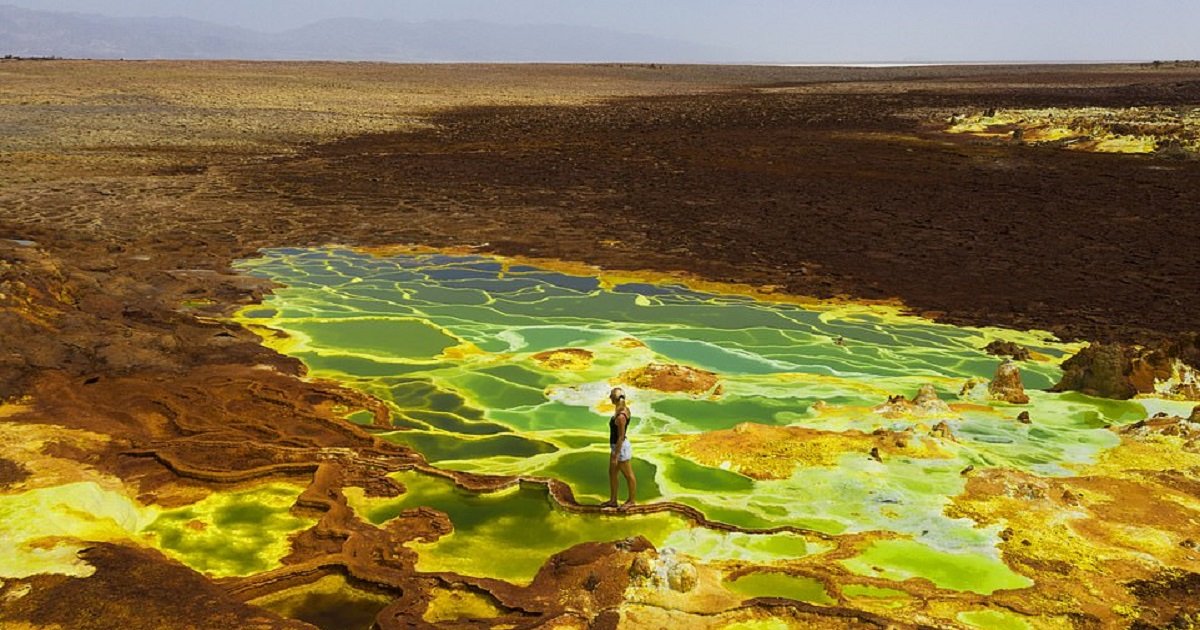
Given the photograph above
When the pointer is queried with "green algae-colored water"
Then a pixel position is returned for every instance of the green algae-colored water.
(993, 620)
(331, 603)
(447, 341)
(232, 533)
(901, 559)
(63, 515)
(768, 584)
(511, 532)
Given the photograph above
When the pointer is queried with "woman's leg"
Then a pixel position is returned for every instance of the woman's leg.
(612, 484)
(631, 480)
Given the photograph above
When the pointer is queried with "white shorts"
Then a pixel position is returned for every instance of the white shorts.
(626, 452)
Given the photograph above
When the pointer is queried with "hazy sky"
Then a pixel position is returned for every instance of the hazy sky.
(771, 30)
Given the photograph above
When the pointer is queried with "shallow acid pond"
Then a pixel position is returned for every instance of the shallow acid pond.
(229, 533)
(461, 348)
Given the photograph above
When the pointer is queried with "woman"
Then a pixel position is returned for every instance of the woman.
(620, 451)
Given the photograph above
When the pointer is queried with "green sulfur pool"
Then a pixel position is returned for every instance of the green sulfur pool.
(771, 584)
(330, 603)
(507, 535)
(903, 559)
(451, 343)
(234, 533)
(229, 533)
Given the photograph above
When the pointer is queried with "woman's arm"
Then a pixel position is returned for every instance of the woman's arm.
(622, 423)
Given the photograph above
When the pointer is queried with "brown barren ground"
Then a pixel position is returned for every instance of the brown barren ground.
(140, 182)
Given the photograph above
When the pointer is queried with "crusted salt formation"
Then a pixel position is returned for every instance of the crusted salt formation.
(1186, 429)
(925, 403)
(974, 389)
(568, 359)
(1128, 518)
(629, 343)
(1167, 132)
(1007, 386)
(670, 378)
(767, 452)
(663, 570)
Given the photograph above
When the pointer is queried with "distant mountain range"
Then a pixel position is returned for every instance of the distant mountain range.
(28, 33)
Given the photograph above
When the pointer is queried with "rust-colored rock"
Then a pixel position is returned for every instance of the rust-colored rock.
(1122, 371)
(1007, 386)
(1168, 600)
(12, 472)
(133, 588)
(1008, 349)
(642, 567)
(1102, 370)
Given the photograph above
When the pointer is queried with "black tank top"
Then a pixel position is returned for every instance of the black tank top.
(612, 427)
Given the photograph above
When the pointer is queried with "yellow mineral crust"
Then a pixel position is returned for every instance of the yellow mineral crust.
(669, 378)
(706, 595)
(1093, 129)
(629, 343)
(459, 604)
(31, 445)
(1145, 454)
(463, 350)
(769, 452)
(1082, 539)
(44, 529)
(291, 602)
(568, 359)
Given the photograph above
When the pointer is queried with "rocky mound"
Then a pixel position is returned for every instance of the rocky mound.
(1187, 429)
(1006, 385)
(570, 359)
(925, 403)
(670, 378)
(1009, 349)
(1122, 372)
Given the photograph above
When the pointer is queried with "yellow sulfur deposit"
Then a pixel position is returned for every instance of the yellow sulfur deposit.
(44, 528)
